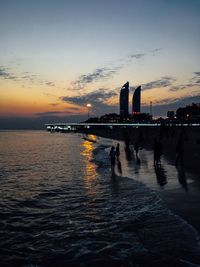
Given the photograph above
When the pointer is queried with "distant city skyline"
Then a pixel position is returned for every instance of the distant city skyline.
(57, 56)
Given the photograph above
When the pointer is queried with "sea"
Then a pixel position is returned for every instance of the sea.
(61, 206)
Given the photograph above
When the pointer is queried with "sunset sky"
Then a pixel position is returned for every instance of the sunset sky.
(56, 56)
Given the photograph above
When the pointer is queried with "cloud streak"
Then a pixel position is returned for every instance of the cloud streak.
(97, 98)
(193, 82)
(160, 108)
(83, 80)
(50, 84)
(105, 72)
(162, 82)
(176, 88)
(196, 78)
(137, 56)
(96, 75)
(53, 113)
(5, 74)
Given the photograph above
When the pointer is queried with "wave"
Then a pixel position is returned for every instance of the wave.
(64, 210)
(140, 211)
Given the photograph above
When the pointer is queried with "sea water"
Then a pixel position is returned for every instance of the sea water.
(60, 206)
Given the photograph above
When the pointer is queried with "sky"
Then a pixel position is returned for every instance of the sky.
(57, 56)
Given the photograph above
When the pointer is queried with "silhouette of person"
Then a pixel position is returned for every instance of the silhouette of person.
(136, 148)
(179, 150)
(119, 166)
(112, 159)
(127, 141)
(117, 151)
(160, 175)
(181, 177)
(157, 149)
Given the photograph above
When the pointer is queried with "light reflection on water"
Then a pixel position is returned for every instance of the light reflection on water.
(90, 167)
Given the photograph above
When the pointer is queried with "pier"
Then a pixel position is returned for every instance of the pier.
(73, 126)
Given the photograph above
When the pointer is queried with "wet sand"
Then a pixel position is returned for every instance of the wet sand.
(178, 187)
(185, 205)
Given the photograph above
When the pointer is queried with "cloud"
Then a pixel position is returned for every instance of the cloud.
(52, 113)
(50, 84)
(104, 72)
(98, 96)
(96, 75)
(155, 50)
(137, 56)
(97, 99)
(176, 88)
(160, 108)
(30, 77)
(197, 73)
(25, 76)
(163, 82)
(83, 80)
(5, 74)
(34, 78)
(165, 101)
(54, 104)
(182, 100)
(193, 82)
(196, 78)
(74, 108)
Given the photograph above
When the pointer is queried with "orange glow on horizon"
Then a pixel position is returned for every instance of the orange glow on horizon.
(30, 101)
(31, 107)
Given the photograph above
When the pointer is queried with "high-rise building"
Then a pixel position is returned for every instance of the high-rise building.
(124, 100)
(136, 101)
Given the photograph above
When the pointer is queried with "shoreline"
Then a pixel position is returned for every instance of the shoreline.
(184, 204)
(168, 137)
(121, 178)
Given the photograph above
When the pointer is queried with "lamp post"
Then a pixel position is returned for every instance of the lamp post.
(88, 107)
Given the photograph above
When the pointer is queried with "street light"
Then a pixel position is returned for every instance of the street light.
(88, 106)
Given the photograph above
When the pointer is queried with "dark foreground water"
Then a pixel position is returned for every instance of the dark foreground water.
(59, 206)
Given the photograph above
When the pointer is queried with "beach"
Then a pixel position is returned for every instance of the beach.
(179, 189)
(61, 206)
(184, 202)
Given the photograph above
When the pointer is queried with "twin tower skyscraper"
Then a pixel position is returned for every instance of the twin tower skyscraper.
(124, 101)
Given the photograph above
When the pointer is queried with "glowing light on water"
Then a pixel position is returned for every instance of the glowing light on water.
(90, 167)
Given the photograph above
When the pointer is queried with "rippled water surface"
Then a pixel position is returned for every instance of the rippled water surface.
(60, 207)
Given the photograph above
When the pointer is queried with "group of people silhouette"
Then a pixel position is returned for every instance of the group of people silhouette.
(157, 152)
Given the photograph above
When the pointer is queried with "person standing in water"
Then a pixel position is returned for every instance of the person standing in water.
(117, 151)
(112, 159)
(180, 150)
(157, 149)
(136, 148)
(119, 166)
